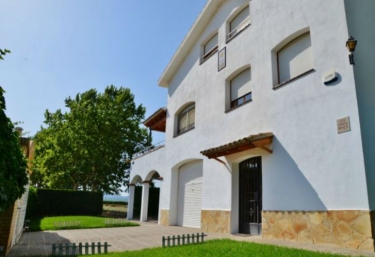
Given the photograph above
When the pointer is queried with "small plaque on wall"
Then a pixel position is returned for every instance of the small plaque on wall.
(222, 59)
(343, 125)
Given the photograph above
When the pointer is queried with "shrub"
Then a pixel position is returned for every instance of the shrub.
(51, 202)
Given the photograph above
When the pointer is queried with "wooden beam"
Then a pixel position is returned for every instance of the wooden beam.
(219, 160)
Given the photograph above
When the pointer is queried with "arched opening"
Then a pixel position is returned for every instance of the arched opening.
(146, 194)
(133, 212)
(154, 196)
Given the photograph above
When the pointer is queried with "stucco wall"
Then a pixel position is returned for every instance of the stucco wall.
(312, 167)
(309, 155)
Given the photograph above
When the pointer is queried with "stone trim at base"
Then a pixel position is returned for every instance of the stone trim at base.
(215, 221)
(347, 229)
(164, 217)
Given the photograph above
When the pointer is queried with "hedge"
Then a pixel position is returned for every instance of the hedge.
(50, 202)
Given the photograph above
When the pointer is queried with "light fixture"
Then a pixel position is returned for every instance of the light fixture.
(351, 43)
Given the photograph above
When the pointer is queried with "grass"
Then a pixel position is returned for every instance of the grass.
(117, 207)
(47, 223)
(222, 248)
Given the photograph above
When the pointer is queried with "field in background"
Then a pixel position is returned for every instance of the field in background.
(115, 198)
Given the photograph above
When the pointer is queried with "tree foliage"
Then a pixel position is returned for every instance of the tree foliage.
(3, 52)
(13, 177)
(90, 146)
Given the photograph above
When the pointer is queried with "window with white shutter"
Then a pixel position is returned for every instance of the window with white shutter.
(210, 47)
(186, 119)
(240, 90)
(295, 59)
(239, 22)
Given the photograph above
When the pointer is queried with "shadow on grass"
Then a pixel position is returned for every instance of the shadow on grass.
(36, 244)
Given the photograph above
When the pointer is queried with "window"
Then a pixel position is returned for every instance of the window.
(186, 119)
(295, 58)
(210, 47)
(239, 22)
(240, 89)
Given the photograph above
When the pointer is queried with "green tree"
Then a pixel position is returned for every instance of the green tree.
(3, 52)
(13, 177)
(90, 146)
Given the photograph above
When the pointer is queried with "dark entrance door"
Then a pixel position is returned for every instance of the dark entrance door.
(250, 207)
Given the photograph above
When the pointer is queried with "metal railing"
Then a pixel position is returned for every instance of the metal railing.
(149, 149)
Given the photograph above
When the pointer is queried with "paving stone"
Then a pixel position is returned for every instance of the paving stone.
(147, 235)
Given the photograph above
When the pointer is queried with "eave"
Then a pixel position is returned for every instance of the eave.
(157, 120)
(190, 39)
(261, 140)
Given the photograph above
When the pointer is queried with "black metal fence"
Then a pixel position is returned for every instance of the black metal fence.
(183, 240)
(68, 249)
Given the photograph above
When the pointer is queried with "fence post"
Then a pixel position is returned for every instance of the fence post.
(178, 240)
(174, 239)
(105, 247)
(163, 241)
(92, 248)
(193, 237)
(60, 249)
(86, 248)
(99, 248)
(53, 249)
(74, 249)
(80, 248)
(67, 250)
(169, 241)
(203, 237)
(183, 239)
(188, 239)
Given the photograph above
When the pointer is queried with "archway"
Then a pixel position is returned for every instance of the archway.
(150, 197)
(136, 180)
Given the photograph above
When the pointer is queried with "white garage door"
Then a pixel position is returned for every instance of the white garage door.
(190, 195)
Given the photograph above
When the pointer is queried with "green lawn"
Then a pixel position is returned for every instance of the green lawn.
(221, 248)
(48, 223)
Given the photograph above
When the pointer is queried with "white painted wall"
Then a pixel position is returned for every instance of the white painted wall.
(312, 166)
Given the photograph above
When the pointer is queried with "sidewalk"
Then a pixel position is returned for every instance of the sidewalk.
(145, 236)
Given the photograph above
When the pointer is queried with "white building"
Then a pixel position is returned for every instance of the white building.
(269, 129)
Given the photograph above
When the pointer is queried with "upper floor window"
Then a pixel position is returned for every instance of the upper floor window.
(239, 22)
(210, 47)
(240, 90)
(295, 58)
(186, 119)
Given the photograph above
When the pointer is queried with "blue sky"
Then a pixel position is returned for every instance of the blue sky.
(64, 47)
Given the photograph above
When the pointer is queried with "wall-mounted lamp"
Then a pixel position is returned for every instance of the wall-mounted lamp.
(351, 43)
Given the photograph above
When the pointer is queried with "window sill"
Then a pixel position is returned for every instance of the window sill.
(208, 56)
(235, 35)
(293, 79)
(238, 106)
(181, 133)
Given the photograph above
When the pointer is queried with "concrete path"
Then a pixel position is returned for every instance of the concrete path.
(145, 236)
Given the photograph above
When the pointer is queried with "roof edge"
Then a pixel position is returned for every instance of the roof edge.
(195, 31)
(160, 110)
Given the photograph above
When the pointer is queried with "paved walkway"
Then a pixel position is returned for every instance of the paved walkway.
(145, 236)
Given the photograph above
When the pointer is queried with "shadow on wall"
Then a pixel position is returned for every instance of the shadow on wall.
(285, 187)
(37, 244)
